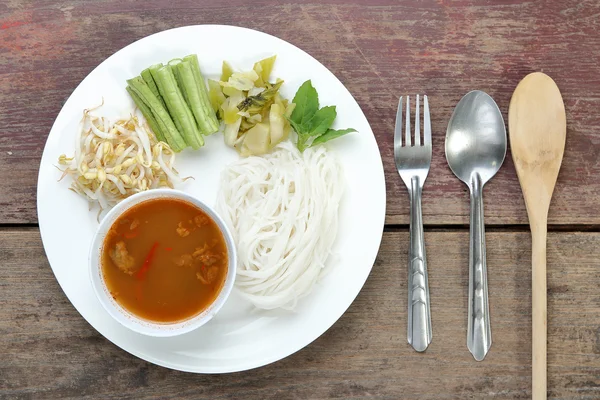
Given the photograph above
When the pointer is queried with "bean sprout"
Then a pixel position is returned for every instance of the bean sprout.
(115, 160)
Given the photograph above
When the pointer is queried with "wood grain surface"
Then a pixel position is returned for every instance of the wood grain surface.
(48, 351)
(380, 49)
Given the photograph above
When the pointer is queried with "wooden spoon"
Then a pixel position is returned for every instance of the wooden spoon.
(537, 129)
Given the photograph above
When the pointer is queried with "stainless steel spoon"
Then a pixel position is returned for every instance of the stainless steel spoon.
(475, 150)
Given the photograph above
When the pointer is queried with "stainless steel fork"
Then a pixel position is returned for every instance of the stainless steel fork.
(412, 163)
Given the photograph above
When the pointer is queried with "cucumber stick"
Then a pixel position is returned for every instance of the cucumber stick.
(192, 59)
(164, 122)
(147, 77)
(147, 112)
(191, 92)
(174, 100)
(178, 108)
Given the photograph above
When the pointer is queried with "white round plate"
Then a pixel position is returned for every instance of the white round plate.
(239, 337)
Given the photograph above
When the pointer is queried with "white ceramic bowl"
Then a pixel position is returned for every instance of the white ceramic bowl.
(125, 317)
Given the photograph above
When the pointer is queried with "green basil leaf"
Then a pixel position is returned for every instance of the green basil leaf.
(331, 134)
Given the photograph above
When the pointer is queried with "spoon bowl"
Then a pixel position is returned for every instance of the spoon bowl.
(475, 150)
(478, 147)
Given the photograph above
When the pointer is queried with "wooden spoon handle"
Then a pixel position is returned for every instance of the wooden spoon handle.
(539, 327)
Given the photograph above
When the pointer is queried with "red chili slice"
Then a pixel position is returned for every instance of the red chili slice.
(142, 272)
(130, 234)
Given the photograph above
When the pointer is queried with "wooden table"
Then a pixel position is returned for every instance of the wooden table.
(379, 49)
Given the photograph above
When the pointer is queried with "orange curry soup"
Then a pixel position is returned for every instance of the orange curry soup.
(164, 260)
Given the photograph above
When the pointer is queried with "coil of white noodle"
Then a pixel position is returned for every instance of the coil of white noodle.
(282, 209)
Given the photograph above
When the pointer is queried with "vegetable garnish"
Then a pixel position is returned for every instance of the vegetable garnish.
(131, 234)
(114, 160)
(175, 102)
(146, 266)
(251, 108)
(311, 123)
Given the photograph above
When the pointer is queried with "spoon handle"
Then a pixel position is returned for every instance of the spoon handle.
(419, 315)
(479, 333)
(538, 297)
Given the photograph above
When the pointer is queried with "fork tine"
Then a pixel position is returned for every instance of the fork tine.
(407, 141)
(417, 124)
(398, 128)
(426, 122)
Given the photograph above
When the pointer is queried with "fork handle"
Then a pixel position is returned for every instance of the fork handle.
(479, 332)
(419, 314)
